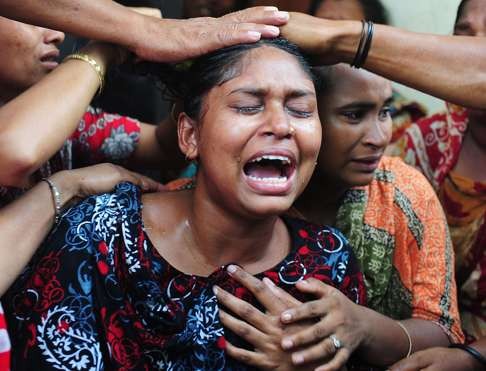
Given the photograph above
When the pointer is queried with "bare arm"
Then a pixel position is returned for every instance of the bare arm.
(443, 359)
(25, 222)
(36, 123)
(150, 38)
(431, 63)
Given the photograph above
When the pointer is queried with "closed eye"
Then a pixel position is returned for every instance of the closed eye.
(249, 110)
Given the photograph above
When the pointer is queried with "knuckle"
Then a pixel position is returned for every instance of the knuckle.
(243, 331)
(318, 332)
(259, 287)
(247, 311)
(313, 309)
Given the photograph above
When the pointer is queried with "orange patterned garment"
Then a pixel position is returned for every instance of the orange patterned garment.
(399, 235)
(433, 146)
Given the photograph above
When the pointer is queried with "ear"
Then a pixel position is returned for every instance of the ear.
(187, 131)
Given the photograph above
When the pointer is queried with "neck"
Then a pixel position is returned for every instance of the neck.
(320, 201)
(220, 237)
(473, 153)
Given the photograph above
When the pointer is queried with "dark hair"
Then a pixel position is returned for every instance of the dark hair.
(373, 10)
(460, 10)
(191, 81)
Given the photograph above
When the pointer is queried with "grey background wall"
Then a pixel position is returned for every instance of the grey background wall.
(433, 16)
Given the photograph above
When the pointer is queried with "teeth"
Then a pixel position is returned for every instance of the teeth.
(280, 179)
(284, 159)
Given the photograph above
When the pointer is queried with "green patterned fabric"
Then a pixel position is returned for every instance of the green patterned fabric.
(374, 250)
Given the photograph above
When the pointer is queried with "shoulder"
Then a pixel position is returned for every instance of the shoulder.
(403, 178)
(100, 214)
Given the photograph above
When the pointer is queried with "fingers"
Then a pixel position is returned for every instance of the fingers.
(319, 331)
(242, 309)
(281, 294)
(228, 34)
(337, 363)
(243, 329)
(322, 351)
(268, 15)
(260, 290)
(145, 183)
(311, 309)
(247, 357)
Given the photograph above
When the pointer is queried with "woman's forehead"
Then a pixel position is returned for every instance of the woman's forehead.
(268, 67)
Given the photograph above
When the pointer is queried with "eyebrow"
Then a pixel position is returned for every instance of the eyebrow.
(296, 93)
(366, 104)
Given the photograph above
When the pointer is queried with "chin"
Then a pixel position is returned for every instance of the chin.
(268, 206)
(360, 180)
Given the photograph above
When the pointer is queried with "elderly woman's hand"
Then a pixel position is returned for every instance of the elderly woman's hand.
(322, 37)
(171, 40)
(339, 330)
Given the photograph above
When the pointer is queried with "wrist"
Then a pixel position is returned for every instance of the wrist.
(67, 185)
(345, 40)
(103, 53)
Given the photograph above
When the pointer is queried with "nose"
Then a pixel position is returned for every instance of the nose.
(278, 123)
(378, 134)
(53, 37)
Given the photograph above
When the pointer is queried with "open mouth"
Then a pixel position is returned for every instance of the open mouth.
(50, 59)
(270, 172)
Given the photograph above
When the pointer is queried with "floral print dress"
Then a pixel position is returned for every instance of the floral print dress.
(98, 295)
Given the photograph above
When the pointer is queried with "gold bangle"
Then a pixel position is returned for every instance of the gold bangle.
(408, 337)
(93, 63)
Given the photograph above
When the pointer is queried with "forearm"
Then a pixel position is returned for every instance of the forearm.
(430, 63)
(37, 123)
(25, 223)
(102, 20)
(386, 342)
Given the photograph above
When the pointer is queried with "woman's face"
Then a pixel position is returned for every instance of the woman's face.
(340, 10)
(259, 135)
(472, 21)
(357, 126)
(27, 54)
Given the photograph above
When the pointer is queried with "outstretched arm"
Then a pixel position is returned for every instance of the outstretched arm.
(25, 222)
(430, 63)
(150, 38)
(37, 123)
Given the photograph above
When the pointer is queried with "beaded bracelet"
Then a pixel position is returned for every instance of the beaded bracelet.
(93, 63)
(472, 352)
(56, 197)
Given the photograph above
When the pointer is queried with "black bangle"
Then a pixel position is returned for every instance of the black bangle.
(364, 45)
(472, 352)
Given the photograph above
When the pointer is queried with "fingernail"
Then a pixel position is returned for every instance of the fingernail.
(283, 16)
(270, 8)
(273, 30)
(287, 343)
(215, 290)
(231, 269)
(254, 35)
(305, 283)
(297, 359)
(286, 317)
